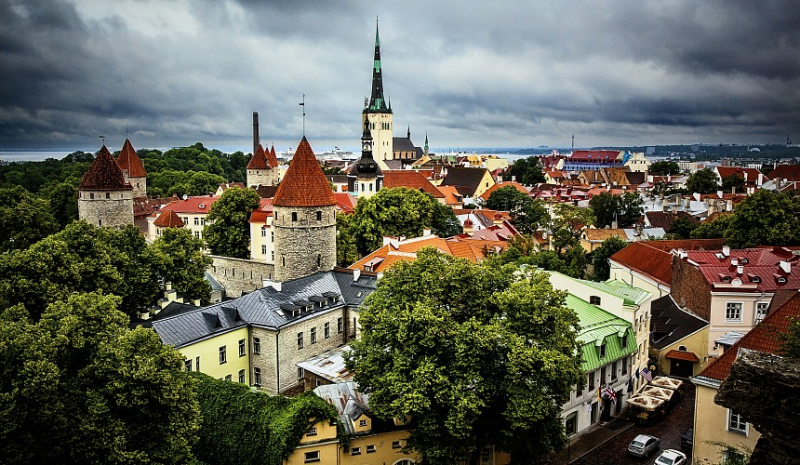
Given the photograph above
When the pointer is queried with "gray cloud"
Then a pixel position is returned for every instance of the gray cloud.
(514, 73)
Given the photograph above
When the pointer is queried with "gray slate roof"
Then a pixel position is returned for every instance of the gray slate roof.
(268, 307)
(464, 177)
(670, 323)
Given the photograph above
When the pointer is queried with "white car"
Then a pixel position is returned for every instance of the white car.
(671, 457)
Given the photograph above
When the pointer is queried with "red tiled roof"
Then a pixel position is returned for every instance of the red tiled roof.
(304, 184)
(128, 160)
(500, 185)
(761, 338)
(594, 155)
(787, 172)
(104, 174)
(194, 205)
(263, 211)
(259, 160)
(647, 260)
(169, 219)
(411, 180)
(680, 355)
(738, 171)
(760, 268)
(272, 160)
(345, 202)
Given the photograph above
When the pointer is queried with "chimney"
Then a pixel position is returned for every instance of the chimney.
(256, 139)
(786, 267)
(720, 194)
(740, 270)
(356, 274)
(734, 262)
(273, 284)
(726, 250)
(426, 232)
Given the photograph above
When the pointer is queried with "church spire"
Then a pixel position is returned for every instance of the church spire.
(377, 103)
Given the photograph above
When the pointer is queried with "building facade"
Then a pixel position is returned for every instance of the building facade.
(104, 197)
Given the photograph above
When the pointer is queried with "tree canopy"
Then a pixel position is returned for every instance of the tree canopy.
(765, 218)
(79, 387)
(525, 171)
(227, 230)
(472, 355)
(664, 168)
(600, 256)
(703, 181)
(527, 215)
(733, 184)
(625, 209)
(24, 219)
(182, 262)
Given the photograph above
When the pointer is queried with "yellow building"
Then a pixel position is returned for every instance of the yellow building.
(678, 339)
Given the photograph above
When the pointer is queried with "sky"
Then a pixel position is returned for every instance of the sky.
(467, 73)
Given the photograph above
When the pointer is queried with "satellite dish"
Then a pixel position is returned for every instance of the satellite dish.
(185, 196)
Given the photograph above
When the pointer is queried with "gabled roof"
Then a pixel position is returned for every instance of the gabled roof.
(411, 180)
(786, 172)
(168, 219)
(451, 195)
(500, 185)
(598, 327)
(403, 144)
(594, 155)
(128, 160)
(259, 160)
(345, 202)
(653, 258)
(304, 184)
(193, 205)
(669, 323)
(751, 173)
(469, 178)
(762, 338)
(761, 269)
(263, 212)
(272, 160)
(104, 174)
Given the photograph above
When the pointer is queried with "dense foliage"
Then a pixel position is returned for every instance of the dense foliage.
(703, 181)
(471, 355)
(526, 171)
(79, 387)
(182, 262)
(733, 184)
(245, 427)
(227, 230)
(24, 219)
(625, 209)
(664, 168)
(790, 341)
(527, 215)
(192, 170)
(600, 256)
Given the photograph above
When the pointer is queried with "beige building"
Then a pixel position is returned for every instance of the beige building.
(192, 211)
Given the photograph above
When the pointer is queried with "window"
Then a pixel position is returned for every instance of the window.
(312, 456)
(272, 236)
(339, 324)
(197, 363)
(603, 350)
(313, 335)
(312, 431)
(733, 312)
(263, 250)
(227, 377)
(736, 422)
(256, 346)
(613, 371)
(242, 352)
(572, 423)
(624, 340)
(370, 448)
(241, 376)
(188, 364)
(396, 445)
(362, 423)
(300, 340)
(294, 216)
(91, 195)
(355, 451)
(591, 381)
(196, 221)
(257, 376)
(625, 366)
(263, 232)
(578, 391)
(272, 256)
(327, 330)
(223, 355)
(594, 300)
(761, 311)
(300, 373)
(602, 376)
(108, 195)
(319, 216)
(733, 457)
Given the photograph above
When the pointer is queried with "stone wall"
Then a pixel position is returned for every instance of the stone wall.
(262, 177)
(106, 208)
(690, 288)
(307, 244)
(239, 275)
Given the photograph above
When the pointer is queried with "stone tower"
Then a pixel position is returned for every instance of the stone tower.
(262, 170)
(104, 198)
(133, 170)
(378, 112)
(365, 177)
(305, 219)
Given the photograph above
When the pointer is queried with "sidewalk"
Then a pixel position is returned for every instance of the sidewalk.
(590, 440)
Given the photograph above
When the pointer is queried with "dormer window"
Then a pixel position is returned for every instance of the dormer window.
(594, 300)
(603, 350)
(726, 279)
(623, 340)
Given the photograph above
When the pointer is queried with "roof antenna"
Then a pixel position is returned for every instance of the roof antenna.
(303, 104)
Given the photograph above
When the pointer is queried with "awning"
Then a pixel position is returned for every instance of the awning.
(682, 355)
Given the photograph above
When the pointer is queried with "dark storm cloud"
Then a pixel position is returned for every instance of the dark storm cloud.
(469, 73)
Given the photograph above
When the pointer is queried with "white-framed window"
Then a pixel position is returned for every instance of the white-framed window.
(339, 325)
(733, 312)
(223, 355)
(263, 249)
(355, 451)
(188, 364)
(263, 232)
(761, 311)
(736, 422)
(362, 423)
(256, 346)
(257, 376)
(312, 456)
(312, 431)
(396, 445)
(242, 351)
(300, 340)
(241, 376)
(371, 449)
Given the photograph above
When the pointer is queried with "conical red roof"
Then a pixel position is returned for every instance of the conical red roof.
(304, 184)
(169, 219)
(128, 160)
(104, 174)
(259, 160)
(272, 160)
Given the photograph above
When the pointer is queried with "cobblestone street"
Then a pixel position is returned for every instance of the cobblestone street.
(669, 430)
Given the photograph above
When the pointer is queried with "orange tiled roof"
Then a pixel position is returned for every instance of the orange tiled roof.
(451, 195)
(259, 160)
(738, 171)
(193, 205)
(272, 160)
(603, 234)
(761, 338)
(128, 160)
(411, 180)
(104, 174)
(653, 258)
(500, 185)
(681, 355)
(169, 219)
(345, 202)
(304, 184)
(263, 211)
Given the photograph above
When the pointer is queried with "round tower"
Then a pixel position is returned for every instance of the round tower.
(104, 198)
(304, 219)
(258, 169)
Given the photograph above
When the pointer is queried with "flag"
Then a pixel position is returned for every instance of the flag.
(610, 394)
(599, 397)
(647, 375)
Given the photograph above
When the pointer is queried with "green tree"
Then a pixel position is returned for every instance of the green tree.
(346, 250)
(228, 232)
(571, 218)
(764, 218)
(508, 199)
(526, 171)
(625, 209)
(703, 181)
(182, 262)
(527, 215)
(444, 222)
(681, 228)
(790, 341)
(471, 355)
(63, 203)
(79, 387)
(714, 229)
(24, 219)
(733, 183)
(600, 257)
(665, 168)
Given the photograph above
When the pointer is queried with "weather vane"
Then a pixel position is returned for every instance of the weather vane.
(303, 104)
(103, 138)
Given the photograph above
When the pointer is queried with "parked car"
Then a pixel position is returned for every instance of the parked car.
(687, 439)
(644, 445)
(671, 457)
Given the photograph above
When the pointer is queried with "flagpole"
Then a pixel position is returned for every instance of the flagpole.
(303, 104)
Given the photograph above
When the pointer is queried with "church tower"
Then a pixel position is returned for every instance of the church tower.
(305, 219)
(365, 177)
(378, 112)
(133, 170)
(104, 197)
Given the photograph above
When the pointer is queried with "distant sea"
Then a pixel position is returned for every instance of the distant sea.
(32, 155)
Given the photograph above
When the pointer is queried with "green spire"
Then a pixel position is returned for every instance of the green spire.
(377, 103)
